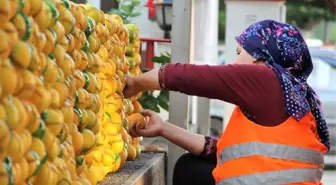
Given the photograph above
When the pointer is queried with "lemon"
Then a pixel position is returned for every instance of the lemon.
(68, 65)
(108, 157)
(54, 14)
(68, 21)
(4, 139)
(33, 161)
(55, 99)
(21, 53)
(64, 42)
(78, 141)
(23, 26)
(7, 71)
(4, 175)
(35, 6)
(4, 45)
(38, 147)
(13, 119)
(132, 154)
(89, 140)
(33, 117)
(41, 41)
(44, 17)
(117, 163)
(51, 41)
(24, 168)
(28, 84)
(44, 175)
(59, 53)
(97, 171)
(15, 147)
(12, 34)
(68, 114)
(54, 120)
(54, 150)
(50, 72)
(27, 139)
(83, 61)
(5, 10)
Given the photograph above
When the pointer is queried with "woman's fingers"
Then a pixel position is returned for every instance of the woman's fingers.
(147, 113)
(133, 130)
(141, 131)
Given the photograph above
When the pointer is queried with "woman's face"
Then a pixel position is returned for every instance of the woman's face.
(244, 57)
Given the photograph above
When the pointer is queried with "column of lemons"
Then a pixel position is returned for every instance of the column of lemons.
(25, 93)
(105, 44)
(87, 103)
(132, 104)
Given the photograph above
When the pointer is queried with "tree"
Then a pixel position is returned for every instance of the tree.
(303, 13)
(307, 13)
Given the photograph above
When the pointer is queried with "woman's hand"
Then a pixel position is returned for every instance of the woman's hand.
(132, 87)
(153, 126)
(144, 82)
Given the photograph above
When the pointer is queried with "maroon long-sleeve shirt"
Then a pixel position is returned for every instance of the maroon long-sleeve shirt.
(254, 88)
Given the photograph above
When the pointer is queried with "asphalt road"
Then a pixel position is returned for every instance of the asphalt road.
(329, 178)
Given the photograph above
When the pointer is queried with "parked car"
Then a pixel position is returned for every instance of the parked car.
(321, 58)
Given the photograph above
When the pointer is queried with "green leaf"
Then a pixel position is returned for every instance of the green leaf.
(126, 9)
(152, 104)
(136, 14)
(163, 104)
(163, 59)
(126, 21)
(116, 12)
(164, 96)
(136, 3)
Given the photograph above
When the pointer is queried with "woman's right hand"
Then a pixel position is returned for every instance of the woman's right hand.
(132, 87)
(153, 126)
(144, 82)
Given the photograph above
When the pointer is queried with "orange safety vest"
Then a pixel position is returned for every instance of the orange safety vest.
(251, 154)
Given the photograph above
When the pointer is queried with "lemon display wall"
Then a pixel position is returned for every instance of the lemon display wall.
(63, 117)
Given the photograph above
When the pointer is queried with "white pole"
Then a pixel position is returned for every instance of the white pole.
(182, 51)
(206, 52)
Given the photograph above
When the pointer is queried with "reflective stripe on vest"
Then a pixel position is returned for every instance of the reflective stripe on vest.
(276, 177)
(278, 151)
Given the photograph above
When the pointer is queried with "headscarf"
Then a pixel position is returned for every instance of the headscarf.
(284, 50)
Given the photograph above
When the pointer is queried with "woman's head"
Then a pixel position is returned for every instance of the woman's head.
(278, 43)
(243, 57)
(284, 50)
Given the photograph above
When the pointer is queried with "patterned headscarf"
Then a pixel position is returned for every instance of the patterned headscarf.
(285, 51)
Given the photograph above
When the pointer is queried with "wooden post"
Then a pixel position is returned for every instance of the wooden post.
(182, 51)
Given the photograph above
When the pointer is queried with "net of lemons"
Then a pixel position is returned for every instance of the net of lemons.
(63, 117)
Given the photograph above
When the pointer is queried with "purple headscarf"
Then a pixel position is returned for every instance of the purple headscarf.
(285, 51)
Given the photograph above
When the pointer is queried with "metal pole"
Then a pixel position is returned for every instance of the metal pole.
(182, 51)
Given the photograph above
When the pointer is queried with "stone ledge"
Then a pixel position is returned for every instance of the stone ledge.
(148, 169)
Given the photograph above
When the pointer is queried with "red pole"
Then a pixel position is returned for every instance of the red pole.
(150, 50)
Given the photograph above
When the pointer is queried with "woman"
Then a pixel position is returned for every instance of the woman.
(276, 134)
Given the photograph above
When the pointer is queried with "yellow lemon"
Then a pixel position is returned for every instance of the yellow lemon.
(51, 41)
(44, 175)
(44, 17)
(33, 161)
(21, 53)
(78, 141)
(54, 120)
(5, 10)
(7, 71)
(4, 45)
(38, 147)
(89, 140)
(28, 84)
(16, 147)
